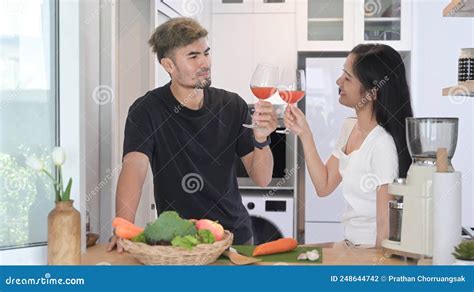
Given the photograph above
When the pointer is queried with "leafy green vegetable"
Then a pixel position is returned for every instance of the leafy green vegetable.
(188, 241)
(139, 238)
(206, 236)
(168, 226)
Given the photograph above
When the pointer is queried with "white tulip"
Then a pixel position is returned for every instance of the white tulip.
(58, 156)
(35, 163)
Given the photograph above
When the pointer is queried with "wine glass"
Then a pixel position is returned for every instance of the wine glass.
(292, 88)
(263, 84)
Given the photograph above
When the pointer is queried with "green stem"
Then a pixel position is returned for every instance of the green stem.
(61, 185)
(56, 185)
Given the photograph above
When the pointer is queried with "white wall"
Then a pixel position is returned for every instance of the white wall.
(436, 43)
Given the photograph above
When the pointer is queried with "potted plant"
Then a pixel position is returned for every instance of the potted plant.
(64, 221)
(464, 253)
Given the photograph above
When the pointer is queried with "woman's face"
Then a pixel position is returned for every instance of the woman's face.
(352, 93)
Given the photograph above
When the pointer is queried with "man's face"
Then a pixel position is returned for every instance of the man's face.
(190, 66)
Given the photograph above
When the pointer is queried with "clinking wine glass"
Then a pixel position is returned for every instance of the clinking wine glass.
(292, 88)
(263, 84)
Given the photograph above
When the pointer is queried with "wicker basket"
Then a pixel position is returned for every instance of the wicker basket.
(202, 254)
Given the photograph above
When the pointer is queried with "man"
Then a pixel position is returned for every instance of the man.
(190, 133)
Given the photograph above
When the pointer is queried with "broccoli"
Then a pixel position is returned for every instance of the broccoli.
(168, 225)
(140, 237)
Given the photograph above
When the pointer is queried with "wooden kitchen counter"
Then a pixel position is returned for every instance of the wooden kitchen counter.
(332, 255)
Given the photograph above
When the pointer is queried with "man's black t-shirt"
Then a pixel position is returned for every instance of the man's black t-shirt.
(192, 152)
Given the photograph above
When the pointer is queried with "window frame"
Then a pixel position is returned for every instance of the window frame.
(70, 97)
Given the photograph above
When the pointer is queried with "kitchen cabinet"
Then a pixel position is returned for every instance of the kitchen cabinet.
(384, 21)
(240, 41)
(253, 6)
(339, 25)
(232, 6)
(232, 55)
(325, 25)
(274, 6)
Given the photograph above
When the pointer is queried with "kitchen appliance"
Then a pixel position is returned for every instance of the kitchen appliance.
(271, 213)
(320, 217)
(424, 137)
(395, 220)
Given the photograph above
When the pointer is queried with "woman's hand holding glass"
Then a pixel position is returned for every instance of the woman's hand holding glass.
(296, 122)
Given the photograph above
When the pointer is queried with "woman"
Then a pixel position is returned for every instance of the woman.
(372, 148)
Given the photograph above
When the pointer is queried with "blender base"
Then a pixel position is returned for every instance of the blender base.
(389, 252)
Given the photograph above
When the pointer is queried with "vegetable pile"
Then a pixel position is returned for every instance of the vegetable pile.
(170, 229)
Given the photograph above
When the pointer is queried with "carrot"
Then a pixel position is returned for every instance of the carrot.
(276, 246)
(125, 228)
(127, 232)
(120, 221)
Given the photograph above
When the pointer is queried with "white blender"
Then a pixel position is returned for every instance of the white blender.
(415, 229)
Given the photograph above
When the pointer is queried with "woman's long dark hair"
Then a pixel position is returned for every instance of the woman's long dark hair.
(381, 70)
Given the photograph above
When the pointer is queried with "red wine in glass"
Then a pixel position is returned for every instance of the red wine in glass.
(263, 92)
(292, 88)
(263, 84)
(291, 97)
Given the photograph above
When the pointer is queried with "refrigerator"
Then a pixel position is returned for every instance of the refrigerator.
(322, 215)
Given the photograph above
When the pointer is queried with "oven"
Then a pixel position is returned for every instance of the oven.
(282, 147)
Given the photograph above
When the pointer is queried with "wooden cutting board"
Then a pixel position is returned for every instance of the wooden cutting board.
(287, 257)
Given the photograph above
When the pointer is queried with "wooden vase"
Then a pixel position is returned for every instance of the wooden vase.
(64, 234)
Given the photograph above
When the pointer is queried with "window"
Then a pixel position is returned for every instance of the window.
(28, 118)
